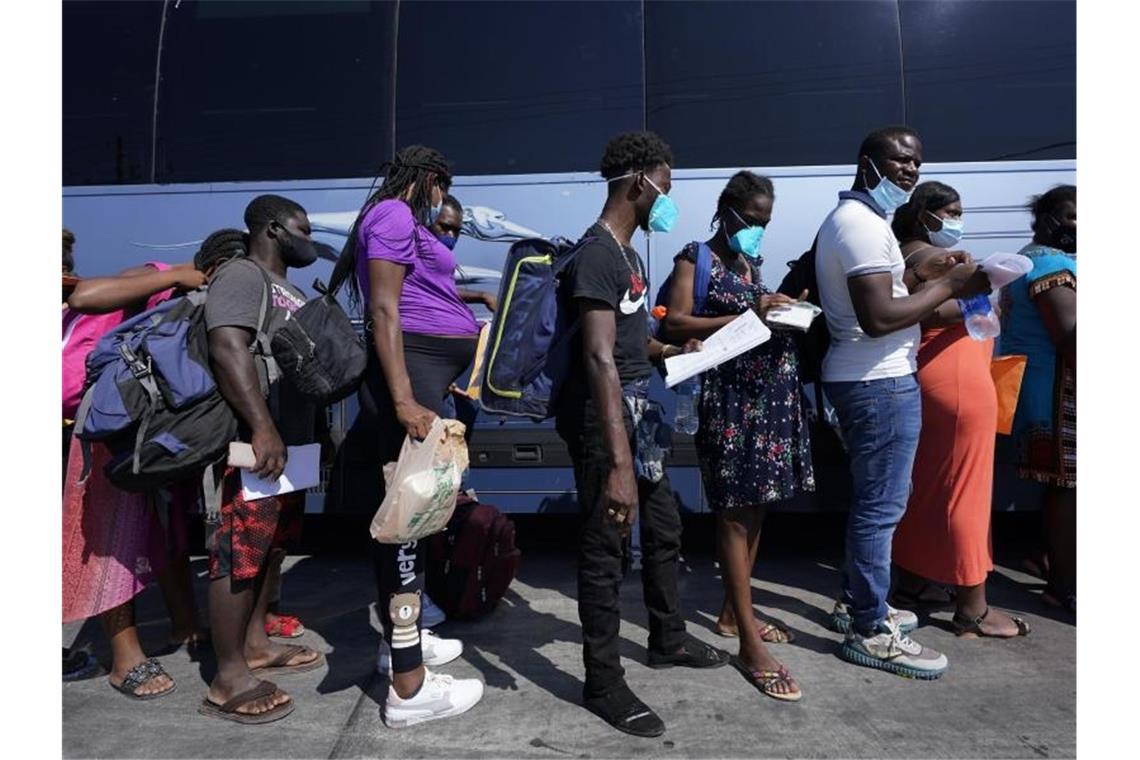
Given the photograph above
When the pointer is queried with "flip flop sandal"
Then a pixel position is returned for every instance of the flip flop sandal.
(770, 633)
(971, 628)
(229, 709)
(278, 665)
(767, 680)
(285, 627)
(144, 672)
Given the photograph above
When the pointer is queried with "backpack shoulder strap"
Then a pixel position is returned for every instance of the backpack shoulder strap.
(701, 277)
(262, 344)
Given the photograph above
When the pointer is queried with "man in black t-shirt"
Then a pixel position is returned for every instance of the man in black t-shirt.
(606, 284)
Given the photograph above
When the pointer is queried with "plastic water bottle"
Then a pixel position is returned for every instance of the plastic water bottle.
(685, 420)
(980, 317)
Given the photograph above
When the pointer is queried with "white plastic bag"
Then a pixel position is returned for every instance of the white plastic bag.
(422, 485)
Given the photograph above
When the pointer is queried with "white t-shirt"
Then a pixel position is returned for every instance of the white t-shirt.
(853, 241)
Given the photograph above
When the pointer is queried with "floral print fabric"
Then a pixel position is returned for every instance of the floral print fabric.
(753, 442)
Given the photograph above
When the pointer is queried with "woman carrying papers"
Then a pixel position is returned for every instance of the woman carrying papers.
(752, 443)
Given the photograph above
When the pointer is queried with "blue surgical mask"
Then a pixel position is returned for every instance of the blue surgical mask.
(449, 241)
(747, 239)
(434, 213)
(950, 233)
(663, 214)
(887, 195)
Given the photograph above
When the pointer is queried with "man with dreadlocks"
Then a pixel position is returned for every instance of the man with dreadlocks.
(424, 337)
(605, 401)
(243, 541)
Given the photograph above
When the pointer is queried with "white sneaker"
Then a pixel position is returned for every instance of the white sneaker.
(430, 613)
(892, 650)
(440, 696)
(436, 651)
(906, 620)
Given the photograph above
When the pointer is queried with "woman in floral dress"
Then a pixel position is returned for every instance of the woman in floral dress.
(753, 442)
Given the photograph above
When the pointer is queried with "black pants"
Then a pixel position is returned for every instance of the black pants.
(600, 553)
(433, 365)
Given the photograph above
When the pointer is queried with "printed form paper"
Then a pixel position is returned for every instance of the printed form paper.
(742, 334)
(302, 470)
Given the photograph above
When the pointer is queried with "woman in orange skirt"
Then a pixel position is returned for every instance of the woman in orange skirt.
(944, 536)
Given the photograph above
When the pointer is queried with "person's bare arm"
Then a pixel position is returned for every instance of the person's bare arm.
(681, 325)
(478, 296)
(1058, 308)
(599, 332)
(234, 369)
(131, 287)
(880, 313)
(385, 284)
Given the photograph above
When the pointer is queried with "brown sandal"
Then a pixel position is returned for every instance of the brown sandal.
(279, 664)
(229, 710)
(767, 680)
(971, 628)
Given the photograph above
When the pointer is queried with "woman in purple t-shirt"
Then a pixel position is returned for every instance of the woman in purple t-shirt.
(423, 337)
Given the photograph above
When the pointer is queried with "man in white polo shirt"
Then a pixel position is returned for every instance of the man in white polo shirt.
(869, 376)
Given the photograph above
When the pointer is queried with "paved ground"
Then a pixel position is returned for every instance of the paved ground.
(999, 699)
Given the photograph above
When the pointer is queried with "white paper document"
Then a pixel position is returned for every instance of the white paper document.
(302, 470)
(744, 333)
(798, 315)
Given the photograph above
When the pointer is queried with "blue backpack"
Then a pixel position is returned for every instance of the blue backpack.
(152, 400)
(529, 349)
(700, 281)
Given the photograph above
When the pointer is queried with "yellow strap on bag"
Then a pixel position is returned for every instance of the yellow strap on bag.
(1007, 372)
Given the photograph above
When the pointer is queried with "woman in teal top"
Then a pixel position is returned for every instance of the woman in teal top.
(1039, 320)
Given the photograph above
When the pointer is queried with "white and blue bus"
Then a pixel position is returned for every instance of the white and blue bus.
(177, 113)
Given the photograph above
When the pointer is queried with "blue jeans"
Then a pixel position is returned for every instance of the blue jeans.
(880, 420)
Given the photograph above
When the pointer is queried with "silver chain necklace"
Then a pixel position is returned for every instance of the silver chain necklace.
(624, 255)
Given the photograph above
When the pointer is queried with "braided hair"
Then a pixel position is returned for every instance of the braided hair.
(740, 188)
(415, 166)
(219, 247)
(68, 244)
(928, 196)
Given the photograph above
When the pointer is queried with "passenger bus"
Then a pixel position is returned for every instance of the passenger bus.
(177, 113)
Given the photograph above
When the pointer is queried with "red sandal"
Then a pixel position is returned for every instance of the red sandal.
(285, 627)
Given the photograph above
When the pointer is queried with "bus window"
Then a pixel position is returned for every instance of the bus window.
(771, 84)
(275, 90)
(514, 88)
(109, 51)
(989, 81)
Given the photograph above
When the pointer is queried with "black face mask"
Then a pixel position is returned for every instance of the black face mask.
(296, 251)
(1065, 238)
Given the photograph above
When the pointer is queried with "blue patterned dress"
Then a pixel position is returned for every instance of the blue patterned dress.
(753, 442)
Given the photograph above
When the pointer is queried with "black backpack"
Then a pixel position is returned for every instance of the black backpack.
(319, 350)
(152, 400)
(811, 345)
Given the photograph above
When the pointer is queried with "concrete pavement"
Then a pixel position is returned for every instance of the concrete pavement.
(999, 698)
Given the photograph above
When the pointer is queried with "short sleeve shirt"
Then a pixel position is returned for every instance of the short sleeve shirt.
(234, 300)
(608, 273)
(429, 302)
(855, 240)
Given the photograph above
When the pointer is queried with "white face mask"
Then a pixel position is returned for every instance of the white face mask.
(887, 194)
(949, 234)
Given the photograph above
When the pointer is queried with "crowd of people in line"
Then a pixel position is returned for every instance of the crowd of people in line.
(912, 391)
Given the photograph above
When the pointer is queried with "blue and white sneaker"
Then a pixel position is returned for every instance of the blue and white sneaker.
(906, 620)
(892, 650)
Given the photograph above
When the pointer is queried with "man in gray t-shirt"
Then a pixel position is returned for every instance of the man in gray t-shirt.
(241, 542)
